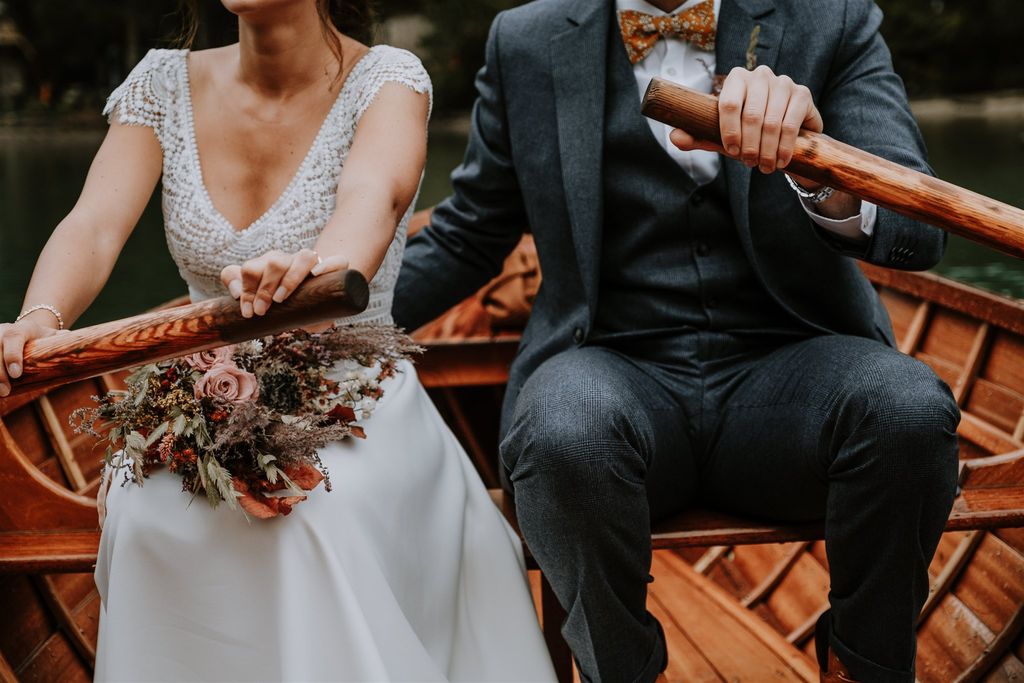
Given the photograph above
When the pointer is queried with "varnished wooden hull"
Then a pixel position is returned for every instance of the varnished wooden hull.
(760, 600)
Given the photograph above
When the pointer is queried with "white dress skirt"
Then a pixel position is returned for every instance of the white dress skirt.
(406, 571)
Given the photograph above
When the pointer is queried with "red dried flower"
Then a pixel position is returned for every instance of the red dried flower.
(342, 413)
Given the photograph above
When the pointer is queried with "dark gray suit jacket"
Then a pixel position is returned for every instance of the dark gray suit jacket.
(534, 160)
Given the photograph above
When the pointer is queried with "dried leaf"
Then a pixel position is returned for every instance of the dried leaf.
(752, 48)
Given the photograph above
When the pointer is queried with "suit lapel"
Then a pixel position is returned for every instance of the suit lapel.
(579, 65)
(736, 22)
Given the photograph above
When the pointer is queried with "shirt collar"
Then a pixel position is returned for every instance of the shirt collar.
(648, 8)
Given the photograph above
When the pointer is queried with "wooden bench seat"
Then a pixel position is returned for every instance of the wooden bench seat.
(48, 552)
(992, 498)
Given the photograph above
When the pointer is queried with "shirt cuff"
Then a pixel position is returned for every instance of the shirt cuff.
(857, 227)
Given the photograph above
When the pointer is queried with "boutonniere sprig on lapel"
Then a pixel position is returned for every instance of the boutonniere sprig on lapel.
(751, 62)
(752, 48)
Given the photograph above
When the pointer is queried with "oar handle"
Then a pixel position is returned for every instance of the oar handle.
(179, 331)
(859, 173)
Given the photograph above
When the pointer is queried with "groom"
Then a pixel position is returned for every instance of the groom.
(703, 334)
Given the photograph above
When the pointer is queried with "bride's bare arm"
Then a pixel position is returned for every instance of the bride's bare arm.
(379, 181)
(82, 251)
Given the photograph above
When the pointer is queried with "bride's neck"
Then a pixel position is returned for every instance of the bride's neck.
(285, 53)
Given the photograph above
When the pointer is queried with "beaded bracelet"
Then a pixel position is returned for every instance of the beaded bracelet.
(42, 307)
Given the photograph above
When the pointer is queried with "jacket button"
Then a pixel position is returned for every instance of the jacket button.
(703, 249)
(711, 302)
(577, 335)
(696, 198)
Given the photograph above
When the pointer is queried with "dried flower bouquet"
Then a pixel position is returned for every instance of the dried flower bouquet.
(243, 424)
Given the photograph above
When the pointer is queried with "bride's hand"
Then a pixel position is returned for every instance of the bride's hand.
(273, 277)
(13, 338)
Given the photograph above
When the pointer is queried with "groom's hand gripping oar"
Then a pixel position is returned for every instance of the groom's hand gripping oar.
(858, 173)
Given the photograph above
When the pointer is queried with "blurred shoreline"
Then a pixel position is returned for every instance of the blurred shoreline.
(998, 105)
(83, 125)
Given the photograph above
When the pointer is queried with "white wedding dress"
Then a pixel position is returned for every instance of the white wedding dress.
(406, 571)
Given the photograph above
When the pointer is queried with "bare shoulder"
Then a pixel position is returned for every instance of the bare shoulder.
(209, 67)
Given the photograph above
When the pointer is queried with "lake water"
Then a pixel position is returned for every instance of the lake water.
(41, 174)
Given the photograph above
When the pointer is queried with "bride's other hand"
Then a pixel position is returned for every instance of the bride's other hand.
(13, 338)
(273, 277)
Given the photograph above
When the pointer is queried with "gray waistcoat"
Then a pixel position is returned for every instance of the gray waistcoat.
(671, 260)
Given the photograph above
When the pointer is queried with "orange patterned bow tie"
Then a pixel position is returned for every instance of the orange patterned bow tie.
(641, 31)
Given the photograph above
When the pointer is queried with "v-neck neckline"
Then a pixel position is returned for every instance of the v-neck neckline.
(194, 152)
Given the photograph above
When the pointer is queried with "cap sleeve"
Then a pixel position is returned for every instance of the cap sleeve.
(393, 65)
(145, 97)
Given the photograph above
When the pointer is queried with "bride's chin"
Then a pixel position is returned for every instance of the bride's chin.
(252, 8)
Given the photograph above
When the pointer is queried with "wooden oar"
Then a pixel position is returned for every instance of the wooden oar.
(179, 331)
(819, 157)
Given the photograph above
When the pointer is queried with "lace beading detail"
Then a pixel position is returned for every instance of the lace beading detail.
(202, 242)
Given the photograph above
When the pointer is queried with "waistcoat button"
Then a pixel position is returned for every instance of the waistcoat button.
(577, 335)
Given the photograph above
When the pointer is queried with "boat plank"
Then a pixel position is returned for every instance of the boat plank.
(772, 578)
(24, 608)
(992, 584)
(976, 303)
(6, 672)
(1004, 365)
(87, 619)
(65, 618)
(818, 551)
(1009, 670)
(707, 560)
(728, 576)
(945, 369)
(757, 561)
(906, 313)
(950, 568)
(800, 595)
(1013, 537)
(74, 589)
(948, 547)
(56, 551)
(56, 660)
(62, 447)
(975, 358)
(738, 644)
(686, 663)
(949, 337)
(949, 640)
(28, 431)
(995, 403)
(986, 435)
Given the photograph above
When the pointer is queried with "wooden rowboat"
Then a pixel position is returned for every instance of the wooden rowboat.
(738, 598)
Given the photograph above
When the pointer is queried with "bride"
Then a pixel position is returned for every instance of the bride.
(298, 150)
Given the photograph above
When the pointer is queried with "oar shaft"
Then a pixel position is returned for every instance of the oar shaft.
(175, 332)
(859, 173)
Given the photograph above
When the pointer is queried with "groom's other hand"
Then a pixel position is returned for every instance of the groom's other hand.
(760, 115)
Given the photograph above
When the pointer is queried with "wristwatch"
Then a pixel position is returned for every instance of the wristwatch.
(811, 197)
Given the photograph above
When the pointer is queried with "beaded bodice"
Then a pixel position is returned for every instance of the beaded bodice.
(202, 242)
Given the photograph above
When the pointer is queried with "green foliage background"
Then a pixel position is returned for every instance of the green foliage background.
(940, 47)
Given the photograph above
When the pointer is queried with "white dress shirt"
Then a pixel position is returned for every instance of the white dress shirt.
(678, 61)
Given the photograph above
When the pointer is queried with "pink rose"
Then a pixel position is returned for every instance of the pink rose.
(204, 360)
(228, 382)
